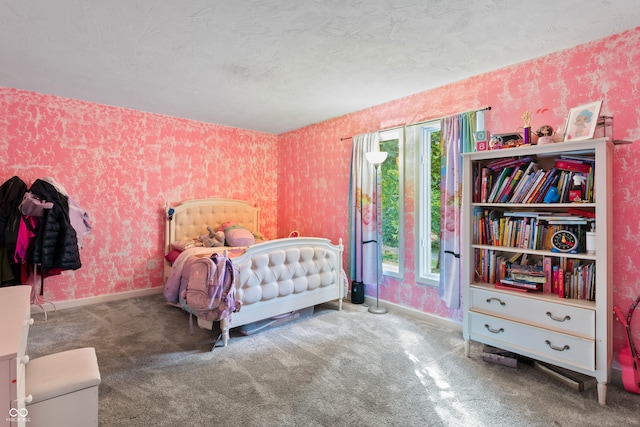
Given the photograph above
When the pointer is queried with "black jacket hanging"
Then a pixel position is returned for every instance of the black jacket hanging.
(56, 243)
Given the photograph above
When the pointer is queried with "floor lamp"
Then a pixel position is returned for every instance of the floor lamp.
(376, 158)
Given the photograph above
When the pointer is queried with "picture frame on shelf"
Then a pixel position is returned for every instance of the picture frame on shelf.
(582, 121)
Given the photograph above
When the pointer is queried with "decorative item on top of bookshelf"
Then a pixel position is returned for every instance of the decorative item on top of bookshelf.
(582, 121)
(526, 129)
(545, 135)
(482, 140)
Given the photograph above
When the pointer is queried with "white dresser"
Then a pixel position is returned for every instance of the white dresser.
(15, 318)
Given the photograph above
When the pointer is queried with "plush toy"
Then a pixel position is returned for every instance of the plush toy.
(214, 239)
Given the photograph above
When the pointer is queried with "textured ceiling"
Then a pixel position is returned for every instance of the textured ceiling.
(274, 66)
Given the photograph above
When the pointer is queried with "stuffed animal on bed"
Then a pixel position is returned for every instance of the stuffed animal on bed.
(214, 239)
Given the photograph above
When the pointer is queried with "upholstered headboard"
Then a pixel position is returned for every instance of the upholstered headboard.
(190, 219)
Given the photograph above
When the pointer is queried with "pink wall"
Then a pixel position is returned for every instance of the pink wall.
(121, 166)
(314, 162)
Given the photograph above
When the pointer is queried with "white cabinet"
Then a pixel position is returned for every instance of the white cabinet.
(14, 328)
(571, 331)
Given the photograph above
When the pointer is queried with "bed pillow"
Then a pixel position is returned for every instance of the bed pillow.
(172, 256)
(185, 244)
(238, 236)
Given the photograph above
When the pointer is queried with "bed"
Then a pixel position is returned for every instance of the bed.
(275, 277)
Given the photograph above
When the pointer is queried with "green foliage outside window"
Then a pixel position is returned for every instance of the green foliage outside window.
(435, 200)
(390, 196)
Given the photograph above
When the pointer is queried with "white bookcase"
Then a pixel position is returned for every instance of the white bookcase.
(572, 333)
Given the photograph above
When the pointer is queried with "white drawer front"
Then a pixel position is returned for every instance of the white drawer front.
(559, 317)
(541, 344)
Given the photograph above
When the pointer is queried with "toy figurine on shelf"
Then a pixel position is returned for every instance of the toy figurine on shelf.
(545, 135)
(526, 118)
(495, 143)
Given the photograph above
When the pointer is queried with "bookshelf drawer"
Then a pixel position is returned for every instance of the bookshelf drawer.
(538, 343)
(545, 314)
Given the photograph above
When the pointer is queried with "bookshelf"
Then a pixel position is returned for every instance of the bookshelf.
(529, 284)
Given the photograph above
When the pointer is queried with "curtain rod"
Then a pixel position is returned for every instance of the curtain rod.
(487, 108)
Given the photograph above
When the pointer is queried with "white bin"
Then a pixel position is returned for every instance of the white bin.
(64, 389)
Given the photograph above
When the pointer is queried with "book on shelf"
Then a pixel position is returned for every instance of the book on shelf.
(572, 165)
(504, 284)
(528, 277)
(554, 278)
(561, 290)
(578, 158)
(547, 268)
(535, 181)
(538, 185)
(521, 284)
(534, 214)
(581, 212)
(486, 182)
(549, 181)
(508, 190)
(525, 182)
(497, 185)
(515, 257)
(507, 162)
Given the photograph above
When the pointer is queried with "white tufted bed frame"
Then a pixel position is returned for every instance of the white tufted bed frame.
(275, 276)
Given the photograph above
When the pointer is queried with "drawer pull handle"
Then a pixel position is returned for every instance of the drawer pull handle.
(497, 299)
(553, 347)
(493, 331)
(557, 319)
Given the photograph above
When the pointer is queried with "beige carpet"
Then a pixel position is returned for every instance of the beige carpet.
(348, 368)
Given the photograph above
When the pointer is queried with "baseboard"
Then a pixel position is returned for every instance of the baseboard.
(62, 305)
(412, 312)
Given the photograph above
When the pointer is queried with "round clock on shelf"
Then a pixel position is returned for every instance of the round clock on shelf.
(564, 241)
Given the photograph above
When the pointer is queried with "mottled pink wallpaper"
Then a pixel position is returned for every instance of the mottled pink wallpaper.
(121, 166)
(314, 174)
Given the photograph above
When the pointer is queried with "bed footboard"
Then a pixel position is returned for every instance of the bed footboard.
(285, 275)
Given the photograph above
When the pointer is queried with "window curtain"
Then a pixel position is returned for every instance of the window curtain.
(457, 137)
(364, 197)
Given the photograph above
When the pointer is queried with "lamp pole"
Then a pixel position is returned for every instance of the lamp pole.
(376, 159)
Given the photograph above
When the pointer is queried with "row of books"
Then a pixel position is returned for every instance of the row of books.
(523, 181)
(530, 230)
(565, 277)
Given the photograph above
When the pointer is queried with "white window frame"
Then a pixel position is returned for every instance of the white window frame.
(387, 269)
(421, 136)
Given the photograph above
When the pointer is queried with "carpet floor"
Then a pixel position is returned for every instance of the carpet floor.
(334, 368)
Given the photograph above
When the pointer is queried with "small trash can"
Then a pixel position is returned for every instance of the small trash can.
(357, 292)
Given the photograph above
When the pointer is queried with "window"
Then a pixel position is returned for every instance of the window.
(392, 202)
(427, 139)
